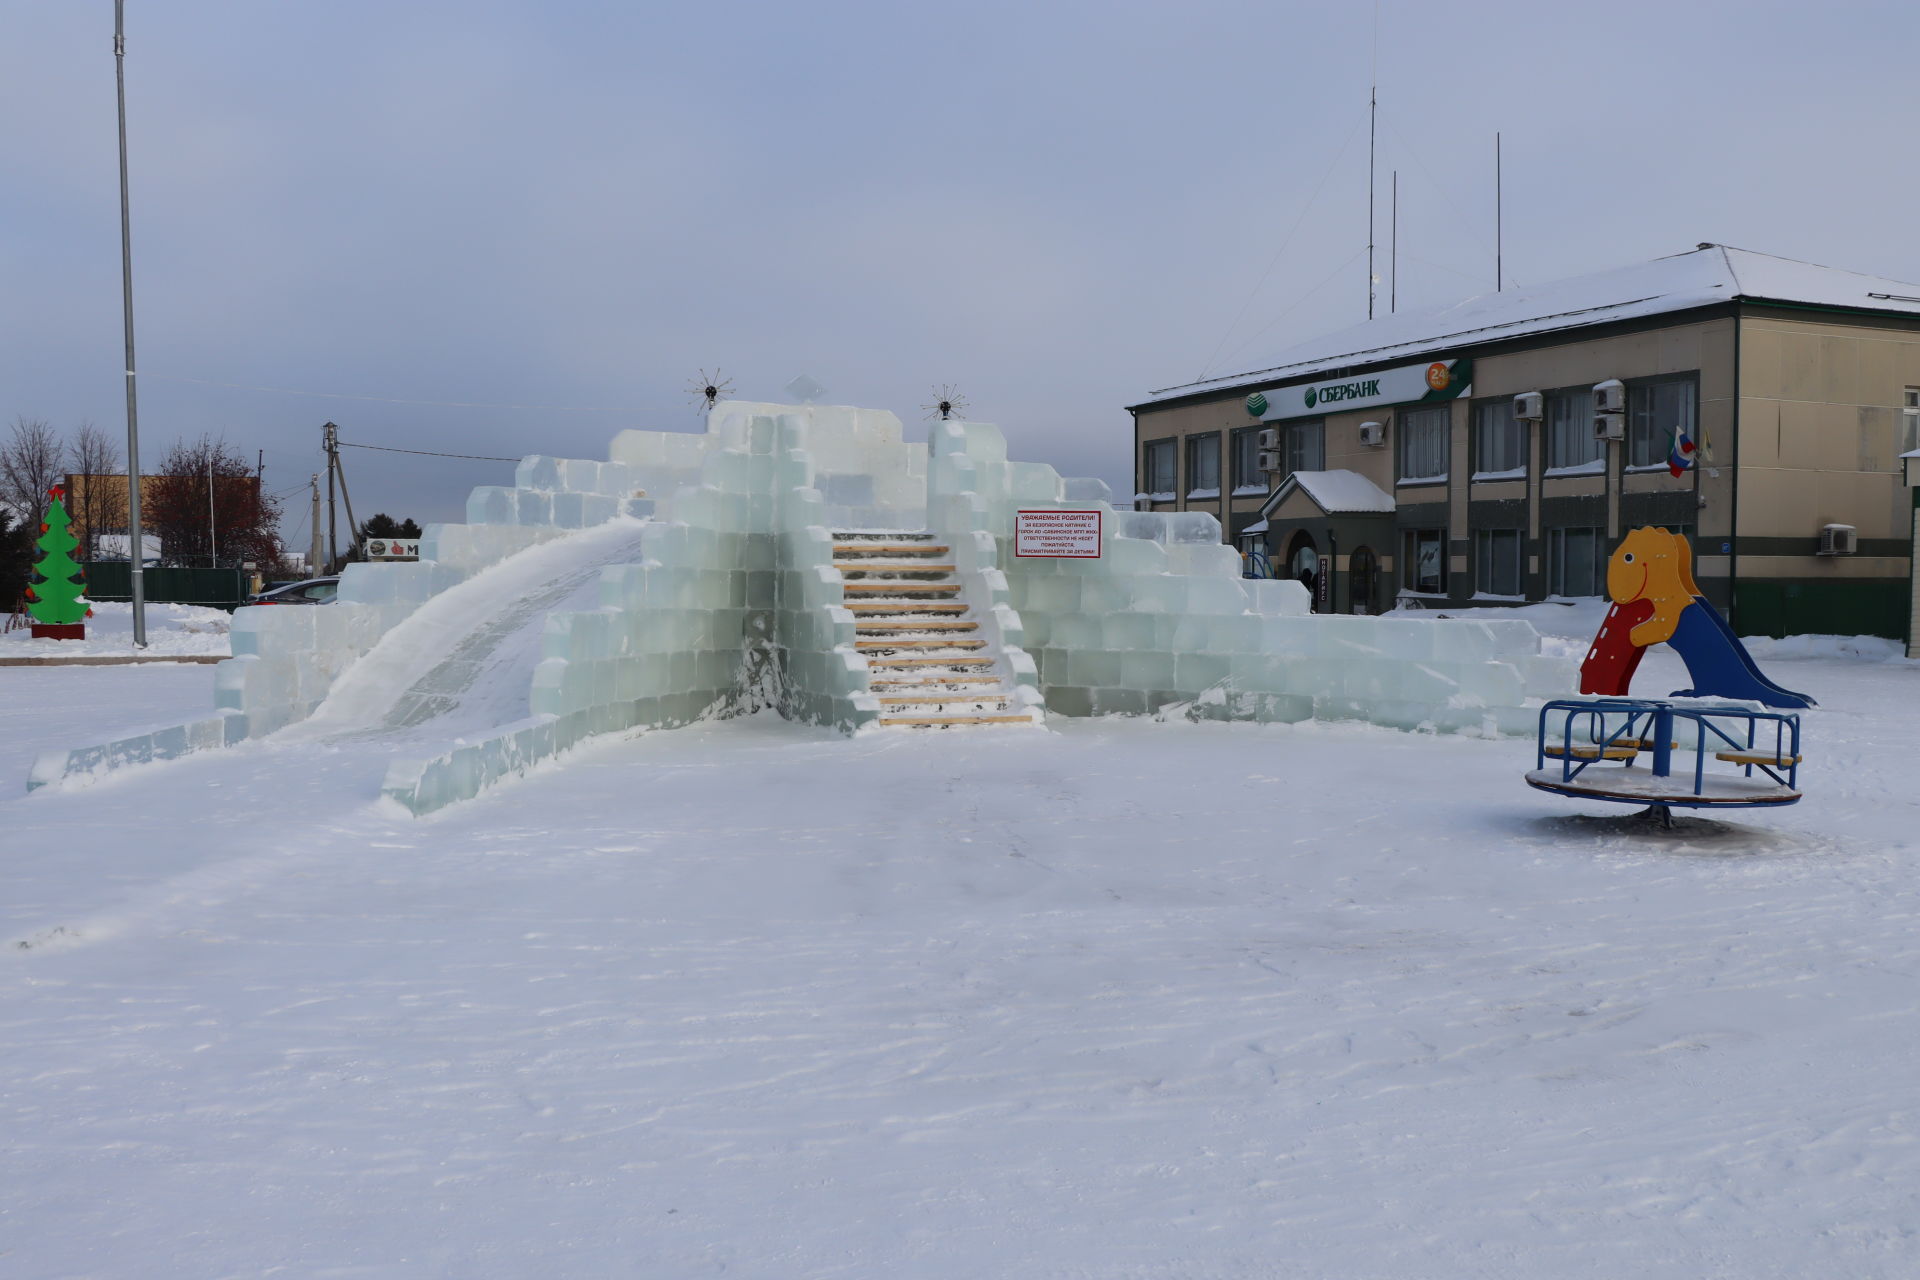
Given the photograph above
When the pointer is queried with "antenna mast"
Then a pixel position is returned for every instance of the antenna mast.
(1499, 269)
(1393, 253)
(1373, 111)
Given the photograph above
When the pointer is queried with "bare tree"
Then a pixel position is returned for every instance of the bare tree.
(31, 461)
(207, 507)
(98, 502)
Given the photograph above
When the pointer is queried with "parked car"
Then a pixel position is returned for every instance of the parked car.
(312, 591)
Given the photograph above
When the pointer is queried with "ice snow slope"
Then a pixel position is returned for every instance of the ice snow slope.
(1124, 1000)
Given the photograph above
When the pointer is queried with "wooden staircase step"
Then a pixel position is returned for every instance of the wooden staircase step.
(919, 571)
(911, 607)
(941, 722)
(890, 548)
(911, 625)
(924, 682)
(901, 664)
(903, 588)
(920, 644)
(902, 699)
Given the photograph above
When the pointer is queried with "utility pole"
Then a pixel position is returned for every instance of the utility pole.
(333, 540)
(213, 561)
(136, 542)
(336, 472)
(315, 551)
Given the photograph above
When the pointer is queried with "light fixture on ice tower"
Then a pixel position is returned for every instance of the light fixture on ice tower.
(947, 403)
(709, 387)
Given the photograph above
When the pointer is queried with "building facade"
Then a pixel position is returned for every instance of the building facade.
(1494, 452)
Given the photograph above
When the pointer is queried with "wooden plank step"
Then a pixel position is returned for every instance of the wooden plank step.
(890, 548)
(917, 606)
(910, 625)
(991, 695)
(864, 587)
(897, 535)
(920, 571)
(920, 644)
(1756, 757)
(935, 722)
(1558, 752)
(929, 681)
(901, 664)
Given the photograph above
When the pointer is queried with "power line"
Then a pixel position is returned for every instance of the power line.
(1285, 242)
(428, 453)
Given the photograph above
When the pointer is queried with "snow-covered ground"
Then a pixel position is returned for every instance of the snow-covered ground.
(172, 629)
(1124, 999)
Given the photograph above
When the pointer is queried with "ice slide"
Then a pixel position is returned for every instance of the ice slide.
(1655, 599)
(462, 664)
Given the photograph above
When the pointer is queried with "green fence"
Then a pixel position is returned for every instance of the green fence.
(1837, 607)
(214, 588)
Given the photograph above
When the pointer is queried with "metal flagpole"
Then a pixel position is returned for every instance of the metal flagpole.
(136, 543)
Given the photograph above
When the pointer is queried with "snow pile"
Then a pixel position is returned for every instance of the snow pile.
(1856, 648)
(171, 629)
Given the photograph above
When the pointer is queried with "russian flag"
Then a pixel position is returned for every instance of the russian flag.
(1680, 457)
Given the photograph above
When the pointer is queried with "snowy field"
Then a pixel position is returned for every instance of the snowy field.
(1123, 1000)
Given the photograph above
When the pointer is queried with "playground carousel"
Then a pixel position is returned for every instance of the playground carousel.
(1607, 745)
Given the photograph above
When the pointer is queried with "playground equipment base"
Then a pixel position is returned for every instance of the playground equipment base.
(1631, 784)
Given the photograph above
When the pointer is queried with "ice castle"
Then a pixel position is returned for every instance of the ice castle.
(808, 560)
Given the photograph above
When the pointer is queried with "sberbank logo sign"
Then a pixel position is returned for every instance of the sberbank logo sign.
(1434, 380)
(1364, 389)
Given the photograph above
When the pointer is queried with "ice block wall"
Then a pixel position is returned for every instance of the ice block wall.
(734, 606)
(821, 678)
(677, 632)
(1163, 617)
(287, 657)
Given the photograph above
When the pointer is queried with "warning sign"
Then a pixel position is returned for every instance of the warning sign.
(1071, 534)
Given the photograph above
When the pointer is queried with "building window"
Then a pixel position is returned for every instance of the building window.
(1203, 466)
(1499, 441)
(1571, 444)
(1656, 409)
(1306, 446)
(1576, 562)
(1497, 562)
(1910, 421)
(1156, 467)
(1423, 444)
(1424, 560)
(1247, 476)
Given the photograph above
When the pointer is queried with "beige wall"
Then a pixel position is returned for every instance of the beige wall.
(1819, 422)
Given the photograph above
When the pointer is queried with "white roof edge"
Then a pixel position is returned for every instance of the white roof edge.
(1703, 276)
(1338, 493)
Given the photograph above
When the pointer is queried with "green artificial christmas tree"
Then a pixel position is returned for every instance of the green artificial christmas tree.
(56, 598)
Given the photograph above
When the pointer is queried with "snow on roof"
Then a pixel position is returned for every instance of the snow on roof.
(1712, 273)
(1338, 493)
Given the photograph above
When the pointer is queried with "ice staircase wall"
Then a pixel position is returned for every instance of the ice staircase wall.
(931, 662)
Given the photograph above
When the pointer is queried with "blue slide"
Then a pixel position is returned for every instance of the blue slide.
(1720, 665)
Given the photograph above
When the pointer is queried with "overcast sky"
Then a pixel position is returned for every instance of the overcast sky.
(1056, 207)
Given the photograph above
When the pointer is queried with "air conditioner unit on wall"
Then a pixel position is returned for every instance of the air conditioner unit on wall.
(1270, 438)
(1839, 540)
(1609, 426)
(1373, 434)
(1270, 460)
(1530, 406)
(1610, 396)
